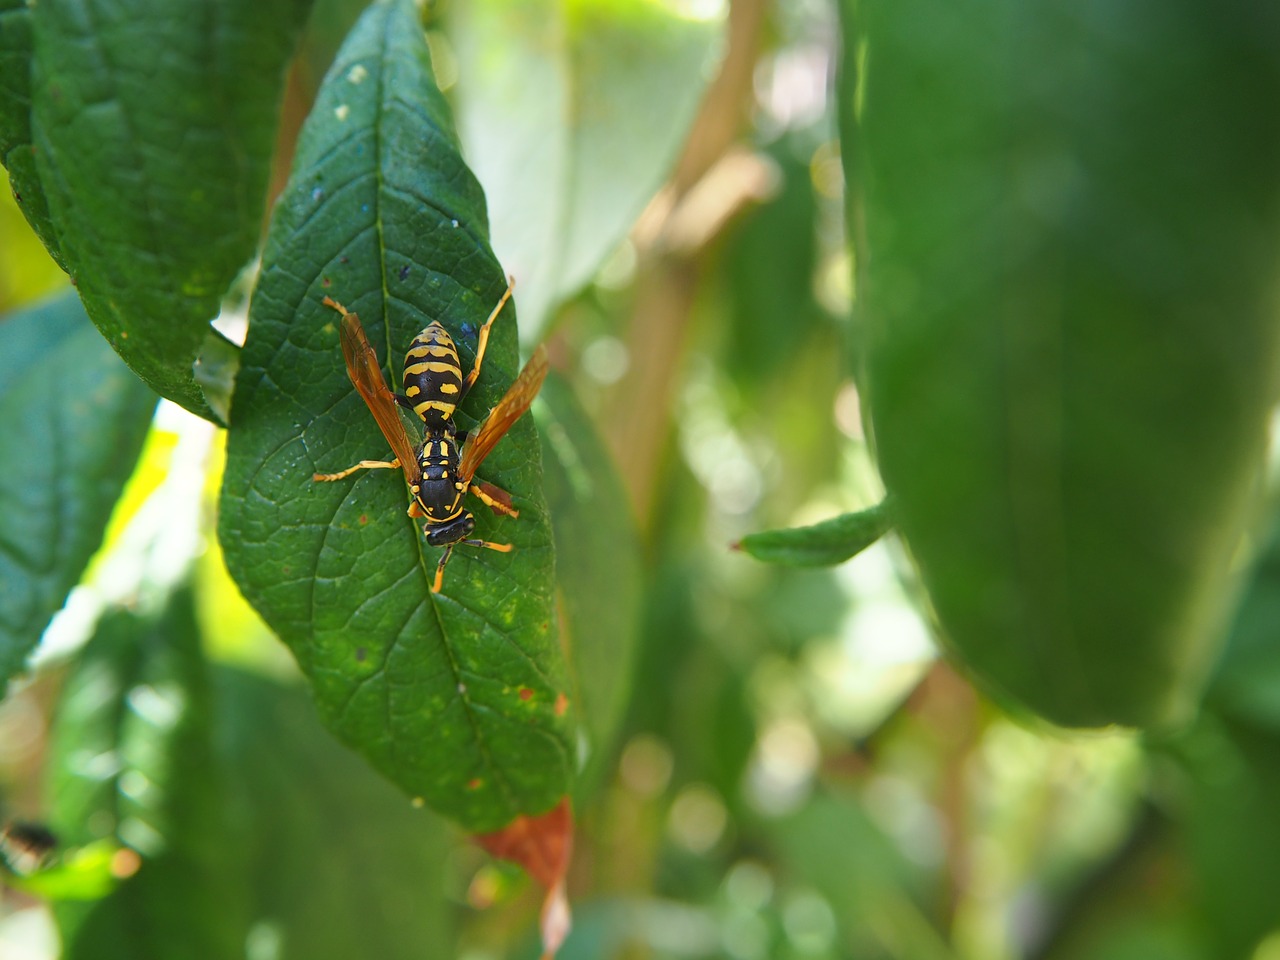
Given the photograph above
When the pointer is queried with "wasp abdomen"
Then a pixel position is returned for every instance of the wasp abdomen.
(440, 491)
(433, 375)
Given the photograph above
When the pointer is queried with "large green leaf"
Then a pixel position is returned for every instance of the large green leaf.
(72, 422)
(1068, 221)
(597, 563)
(572, 113)
(133, 762)
(456, 697)
(16, 152)
(153, 125)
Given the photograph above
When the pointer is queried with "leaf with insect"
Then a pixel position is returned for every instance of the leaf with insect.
(461, 698)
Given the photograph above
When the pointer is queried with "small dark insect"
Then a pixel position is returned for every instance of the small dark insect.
(442, 469)
(404, 272)
(25, 847)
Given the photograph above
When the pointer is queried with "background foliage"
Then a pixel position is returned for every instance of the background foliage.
(775, 760)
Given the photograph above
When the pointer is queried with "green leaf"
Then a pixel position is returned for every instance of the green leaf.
(823, 544)
(1231, 835)
(572, 113)
(254, 826)
(153, 125)
(456, 697)
(342, 865)
(1070, 326)
(597, 563)
(133, 762)
(15, 74)
(16, 152)
(83, 874)
(72, 423)
(1246, 681)
(833, 845)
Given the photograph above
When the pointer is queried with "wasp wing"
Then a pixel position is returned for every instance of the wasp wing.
(509, 409)
(366, 375)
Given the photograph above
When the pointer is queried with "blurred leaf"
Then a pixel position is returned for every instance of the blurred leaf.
(85, 874)
(597, 563)
(342, 865)
(281, 839)
(1071, 330)
(831, 844)
(72, 423)
(1246, 683)
(572, 113)
(1232, 833)
(16, 152)
(456, 697)
(823, 544)
(769, 266)
(153, 126)
(132, 761)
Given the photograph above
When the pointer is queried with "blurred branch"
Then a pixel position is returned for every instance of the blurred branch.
(700, 199)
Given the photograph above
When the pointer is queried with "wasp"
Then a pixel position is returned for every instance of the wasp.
(441, 470)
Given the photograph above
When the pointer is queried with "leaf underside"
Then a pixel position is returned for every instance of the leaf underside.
(1069, 386)
(73, 419)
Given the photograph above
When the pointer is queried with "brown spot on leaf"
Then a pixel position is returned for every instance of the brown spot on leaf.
(562, 704)
(526, 694)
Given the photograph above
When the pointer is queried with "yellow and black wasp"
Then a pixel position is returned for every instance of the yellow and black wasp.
(442, 469)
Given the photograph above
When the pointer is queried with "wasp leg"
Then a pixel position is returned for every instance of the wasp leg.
(362, 465)
(448, 551)
(444, 558)
(483, 341)
(495, 498)
(330, 302)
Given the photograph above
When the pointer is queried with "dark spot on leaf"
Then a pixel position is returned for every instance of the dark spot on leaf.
(286, 569)
(361, 654)
(404, 272)
(525, 693)
(344, 260)
(475, 783)
(467, 329)
(17, 196)
(364, 518)
(325, 282)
